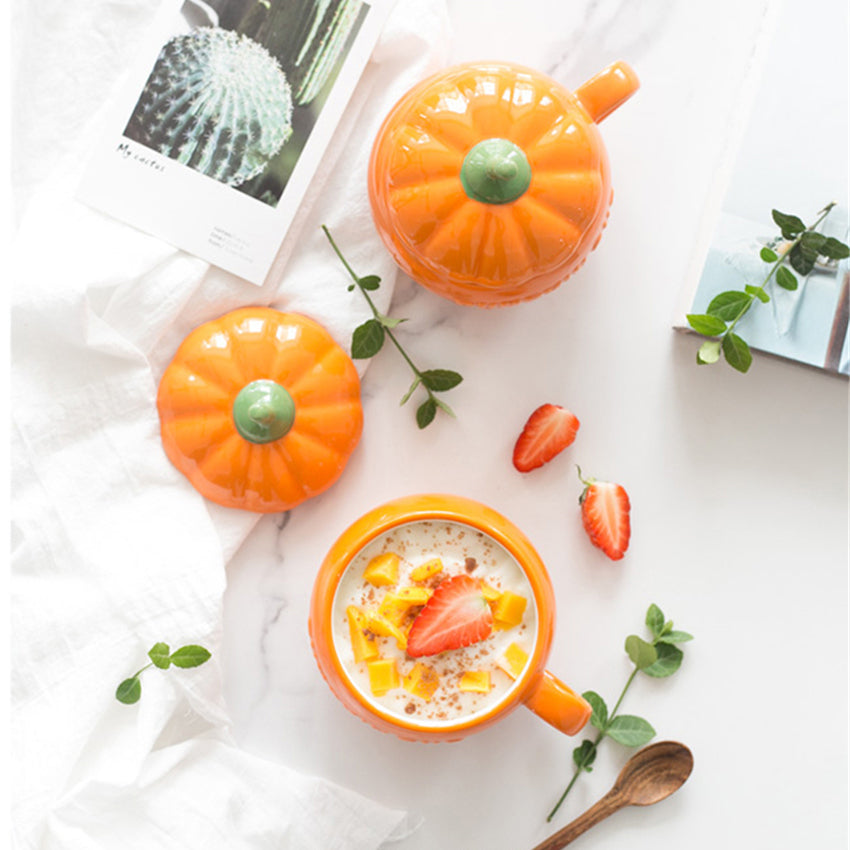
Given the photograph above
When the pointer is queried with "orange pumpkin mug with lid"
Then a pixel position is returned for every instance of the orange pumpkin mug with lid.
(374, 590)
(489, 182)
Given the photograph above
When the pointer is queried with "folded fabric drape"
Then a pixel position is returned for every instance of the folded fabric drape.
(112, 548)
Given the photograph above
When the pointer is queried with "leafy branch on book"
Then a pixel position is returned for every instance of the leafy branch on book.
(803, 248)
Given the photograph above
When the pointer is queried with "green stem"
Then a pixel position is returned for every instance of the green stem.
(599, 737)
(778, 262)
(623, 693)
(380, 316)
(146, 667)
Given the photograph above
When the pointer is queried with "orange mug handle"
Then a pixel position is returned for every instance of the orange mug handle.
(610, 88)
(558, 705)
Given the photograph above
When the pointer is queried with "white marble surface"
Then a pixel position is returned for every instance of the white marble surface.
(738, 485)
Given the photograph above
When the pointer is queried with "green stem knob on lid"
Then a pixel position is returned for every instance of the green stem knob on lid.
(495, 171)
(263, 411)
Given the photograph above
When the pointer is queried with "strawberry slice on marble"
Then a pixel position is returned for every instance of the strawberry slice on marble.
(605, 510)
(548, 431)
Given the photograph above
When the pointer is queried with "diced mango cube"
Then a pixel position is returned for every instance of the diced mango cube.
(380, 625)
(513, 661)
(421, 681)
(490, 592)
(394, 606)
(415, 595)
(477, 681)
(363, 641)
(382, 569)
(508, 610)
(383, 676)
(426, 569)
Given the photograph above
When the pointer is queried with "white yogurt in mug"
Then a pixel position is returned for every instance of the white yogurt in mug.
(462, 550)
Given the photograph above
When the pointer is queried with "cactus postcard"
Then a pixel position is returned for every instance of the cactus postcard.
(225, 119)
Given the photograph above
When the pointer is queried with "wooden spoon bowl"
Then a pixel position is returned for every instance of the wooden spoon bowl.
(649, 776)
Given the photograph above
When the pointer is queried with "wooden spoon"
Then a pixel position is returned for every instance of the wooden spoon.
(650, 775)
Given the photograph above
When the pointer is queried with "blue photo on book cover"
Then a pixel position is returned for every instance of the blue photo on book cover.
(808, 324)
(782, 191)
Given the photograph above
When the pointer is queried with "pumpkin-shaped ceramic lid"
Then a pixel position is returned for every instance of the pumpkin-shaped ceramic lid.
(260, 409)
(489, 182)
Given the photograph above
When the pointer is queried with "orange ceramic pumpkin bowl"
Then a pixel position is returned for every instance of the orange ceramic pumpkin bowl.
(536, 688)
(489, 182)
(260, 409)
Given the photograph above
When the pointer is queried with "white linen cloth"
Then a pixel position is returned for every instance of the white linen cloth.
(113, 550)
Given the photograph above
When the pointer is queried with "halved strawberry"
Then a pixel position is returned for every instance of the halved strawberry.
(605, 514)
(549, 430)
(456, 615)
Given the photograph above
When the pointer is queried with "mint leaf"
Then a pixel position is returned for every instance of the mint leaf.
(790, 225)
(801, 264)
(709, 351)
(768, 255)
(728, 305)
(675, 636)
(786, 279)
(630, 731)
(444, 407)
(811, 242)
(834, 250)
(390, 322)
(129, 691)
(801, 260)
(190, 656)
(641, 653)
(668, 662)
(367, 339)
(159, 655)
(599, 717)
(654, 619)
(426, 413)
(705, 324)
(758, 292)
(737, 352)
(584, 755)
(416, 381)
(440, 380)
(371, 282)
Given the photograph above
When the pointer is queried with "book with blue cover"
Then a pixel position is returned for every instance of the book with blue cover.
(792, 157)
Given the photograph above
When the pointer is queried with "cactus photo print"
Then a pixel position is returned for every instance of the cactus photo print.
(244, 95)
(225, 100)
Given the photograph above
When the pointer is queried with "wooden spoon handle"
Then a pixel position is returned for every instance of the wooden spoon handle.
(609, 804)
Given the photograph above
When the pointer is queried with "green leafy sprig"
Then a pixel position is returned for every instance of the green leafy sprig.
(130, 690)
(725, 310)
(659, 658)
(368, 339)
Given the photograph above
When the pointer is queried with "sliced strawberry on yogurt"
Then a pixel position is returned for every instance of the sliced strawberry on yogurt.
(456, 615)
